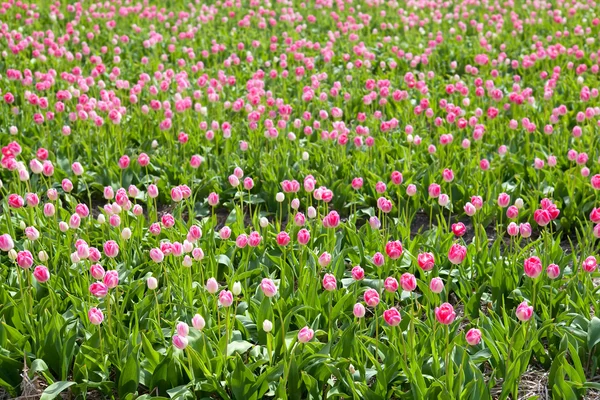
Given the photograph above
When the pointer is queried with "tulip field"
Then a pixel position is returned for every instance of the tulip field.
(319, 199)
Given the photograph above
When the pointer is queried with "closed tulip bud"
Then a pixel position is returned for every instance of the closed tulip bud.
(198, 322)
(126, 233)
(41, 274)
(305, 156)
(6, 242)
(305, 335)
(371, 297)
(533, 267)
(237, 289)
(180, 342)
(279, 197)
(43, 256)
(553, 271)
(12, 254)
(267, 326)
(182, 329)
(589, 264)
(512, 229)
(225, 298)
(101, 219)
(392, 317)
(212, 286)
(95, 316)
(329, 282)
(519, 203)
(264, 222)
(359, 310)
(473, 336)
(378, 259)
(187, 261)
(524, 311)
(152, 283)
(470, 209)
(436, 285)
(311, 212)
(445, 314)
(525, 229)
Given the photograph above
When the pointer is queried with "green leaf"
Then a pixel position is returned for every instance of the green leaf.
(130, 375)
(55, 389)
(593, 336)
(238, 346)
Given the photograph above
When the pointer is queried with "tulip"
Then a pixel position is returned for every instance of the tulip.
(590, 264)
(180, 342)
(371, 297)
(457, 254)
(445, 314)
(152, 283)
(267, 326)
(426, 261)
(212, 286)
(436, 285)
(473, 336)
(393, 249)
(41, 274)
(225, 298)
(329, 282)
(392, 316)
(198, 322)
(359, 310)
(390, 284)
(524, 311)
(305, 335)
(95, 316)
(533, 267)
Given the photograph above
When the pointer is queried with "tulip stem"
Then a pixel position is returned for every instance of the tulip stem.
(447, 358)
(330, 316)
(376, 334)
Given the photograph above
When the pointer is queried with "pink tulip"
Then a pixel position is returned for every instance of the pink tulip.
(241, 241)
(473, 336)
(553, 271)
(180, 342)
(524, 311)
(329, 282)
(111, 279)
(359, 310)
(225, 298)
(459, 229)
(24, 259)
(198, 322)
(394, 249)
(436, 285)
(111, 249)
(378, 259)
(512, 229)
(533, 267)
(358, 273)
(371, 297)
(182, 329)
(434, 190)
(503, 200)
(305, 335)
(408, 282)
(97, 271)
(457, 254)
(392, 317)
(445, 314)
(98, 289)
(6, 242)
(212, 286)
(213, 199)
(157, 255)
(95, 316)
(390, 284)
(426, 261)
(590, 264)
(268, 287)
(283, 239)
(324, 259)
(41, 274)
(525, 229)
(303, 236)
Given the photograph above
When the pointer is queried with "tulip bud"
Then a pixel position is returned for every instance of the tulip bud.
(152, 283)
(267, 326)
(237, 289)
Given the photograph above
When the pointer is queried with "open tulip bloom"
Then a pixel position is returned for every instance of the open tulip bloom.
(242, 200)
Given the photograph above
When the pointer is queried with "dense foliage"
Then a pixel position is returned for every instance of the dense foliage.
(299, 199)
